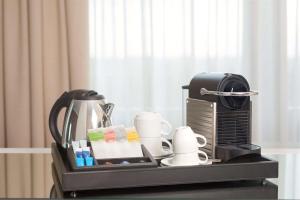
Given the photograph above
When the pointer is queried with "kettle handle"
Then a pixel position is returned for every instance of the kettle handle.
(61, 102)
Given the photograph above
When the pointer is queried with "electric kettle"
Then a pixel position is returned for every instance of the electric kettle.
(85, 109)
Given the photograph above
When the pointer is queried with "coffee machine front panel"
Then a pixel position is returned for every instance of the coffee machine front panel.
(201, 117)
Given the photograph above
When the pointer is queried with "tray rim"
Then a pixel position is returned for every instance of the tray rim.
(66, 194)
(65, 175)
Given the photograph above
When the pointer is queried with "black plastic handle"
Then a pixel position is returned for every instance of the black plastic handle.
(61, 102)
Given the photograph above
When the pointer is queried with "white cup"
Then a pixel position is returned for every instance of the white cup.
(151, 125)
(185, 145)
(185, 140)
(154, 146)
(190, 158)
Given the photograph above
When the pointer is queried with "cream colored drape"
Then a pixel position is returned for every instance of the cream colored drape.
(43, 51)
(25, 175)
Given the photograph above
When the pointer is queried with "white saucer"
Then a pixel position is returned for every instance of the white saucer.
(167, 162)
(166, 152)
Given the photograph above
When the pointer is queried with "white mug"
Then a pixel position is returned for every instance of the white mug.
(190, 158)
(151, 125)
(154, 146)
(185, 140)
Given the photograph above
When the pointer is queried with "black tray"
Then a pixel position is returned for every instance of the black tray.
(134, 162)
(227, 190)
(257, 168)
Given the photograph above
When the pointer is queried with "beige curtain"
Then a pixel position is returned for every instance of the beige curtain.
(25, 175)
(43, 51)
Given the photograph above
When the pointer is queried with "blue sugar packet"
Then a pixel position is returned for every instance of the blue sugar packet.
(78, 152)
(89, 161)
(86, 152)
(79, 162)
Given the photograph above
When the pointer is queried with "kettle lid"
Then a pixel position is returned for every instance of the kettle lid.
(86, 95)
(96, 97)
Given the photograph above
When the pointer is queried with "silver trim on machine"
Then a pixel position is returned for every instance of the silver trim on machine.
(201, 117)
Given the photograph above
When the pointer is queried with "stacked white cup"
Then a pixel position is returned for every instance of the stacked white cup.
(153, 129)
(186, 150)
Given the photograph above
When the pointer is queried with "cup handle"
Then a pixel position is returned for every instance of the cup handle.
(165, 123)
(205, 155)
(168, 143)
(203, 138)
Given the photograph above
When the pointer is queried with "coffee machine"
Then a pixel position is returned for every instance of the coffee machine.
(219, 107)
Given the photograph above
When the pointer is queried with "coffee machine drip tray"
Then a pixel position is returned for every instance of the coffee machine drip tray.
(228, 152)
(247, 168)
